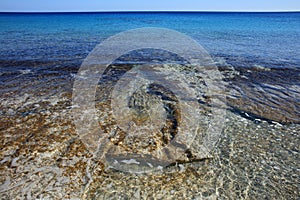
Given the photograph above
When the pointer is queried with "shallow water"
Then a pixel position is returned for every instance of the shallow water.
(256, 157)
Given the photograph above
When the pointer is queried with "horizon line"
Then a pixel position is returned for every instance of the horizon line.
(124, 11)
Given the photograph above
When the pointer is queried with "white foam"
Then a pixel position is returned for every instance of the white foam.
(130, 161)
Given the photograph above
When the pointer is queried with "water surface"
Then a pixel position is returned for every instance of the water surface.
(257, 156)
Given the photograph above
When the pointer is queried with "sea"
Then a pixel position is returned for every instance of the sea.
(256, 154)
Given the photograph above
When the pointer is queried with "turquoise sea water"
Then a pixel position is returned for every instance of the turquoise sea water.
(271, 38)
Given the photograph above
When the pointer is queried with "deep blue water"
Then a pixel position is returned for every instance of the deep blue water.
(268, 39)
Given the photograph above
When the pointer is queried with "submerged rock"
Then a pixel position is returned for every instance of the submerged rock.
(272, 95)
(43, 157)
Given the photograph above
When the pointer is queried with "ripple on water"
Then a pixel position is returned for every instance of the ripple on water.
(42, 157)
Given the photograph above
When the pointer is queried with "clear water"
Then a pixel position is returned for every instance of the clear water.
(42, 157)
(265, 37)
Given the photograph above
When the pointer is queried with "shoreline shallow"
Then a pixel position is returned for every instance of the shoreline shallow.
(250, 161)
(253, 159)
